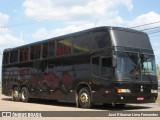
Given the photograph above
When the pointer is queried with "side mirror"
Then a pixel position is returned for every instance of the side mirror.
(114, 61)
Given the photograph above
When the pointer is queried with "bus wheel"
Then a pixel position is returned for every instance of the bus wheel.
(15, 94)
(84, 98)
(24, 94)
(119, 105)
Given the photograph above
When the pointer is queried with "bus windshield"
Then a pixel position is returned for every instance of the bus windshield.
(133, 63)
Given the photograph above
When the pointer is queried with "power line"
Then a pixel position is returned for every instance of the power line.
(154, 32)
(154, 29)
(150, 28)
(145, 24)
(93, 4)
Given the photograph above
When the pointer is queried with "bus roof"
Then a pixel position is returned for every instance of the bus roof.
(78, 33)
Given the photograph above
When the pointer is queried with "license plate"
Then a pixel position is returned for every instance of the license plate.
(140, 98)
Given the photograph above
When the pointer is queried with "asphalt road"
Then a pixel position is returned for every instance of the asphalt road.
(6, 104)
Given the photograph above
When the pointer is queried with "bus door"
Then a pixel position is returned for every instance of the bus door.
(45, 78)
(49, 82)
(63, 78)
(103, 77)
(34, 82)
(57, 81)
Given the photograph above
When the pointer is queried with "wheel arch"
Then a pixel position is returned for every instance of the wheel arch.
(79, 87)
(14, 86)
(23, 85)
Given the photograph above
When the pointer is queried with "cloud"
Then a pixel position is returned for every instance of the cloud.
(3, 19)
(146, 18)
(43, 33)
(75, 15)
(128, 4)
(114, 19)
(72, 10)
(9, 40)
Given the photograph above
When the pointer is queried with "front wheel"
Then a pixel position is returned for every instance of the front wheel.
(119, 105)
(24, 94)
(84, 98)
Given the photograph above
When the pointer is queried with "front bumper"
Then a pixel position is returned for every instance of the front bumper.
(136, 98)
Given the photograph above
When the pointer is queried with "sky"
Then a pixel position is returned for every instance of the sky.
(28, 21)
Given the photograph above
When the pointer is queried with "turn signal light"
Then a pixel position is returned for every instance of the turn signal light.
(154, 91)
(120, 90)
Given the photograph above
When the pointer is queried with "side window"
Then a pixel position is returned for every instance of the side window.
(48, 49)
(6, 58)
(59, 48)
(67, 46)
(95, 66)
(14, 56)
(106, 66)
(11, 57)
(100, 40)
(37, 51)
(32, 49)
(102, 66)
(64, 47)
(24, 54)
(82, 43)
(45, 50)
(51, 49)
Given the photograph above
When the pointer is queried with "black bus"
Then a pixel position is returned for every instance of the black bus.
(109, 65)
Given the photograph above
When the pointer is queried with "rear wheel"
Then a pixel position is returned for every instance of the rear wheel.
(24, 94)
(84, 98)
(15, 94)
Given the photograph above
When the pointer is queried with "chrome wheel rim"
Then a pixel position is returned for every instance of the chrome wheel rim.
(84, 98)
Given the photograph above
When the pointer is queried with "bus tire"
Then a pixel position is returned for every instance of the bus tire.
(24, 94)
(15, 94)
(84, 98)
(119, 105)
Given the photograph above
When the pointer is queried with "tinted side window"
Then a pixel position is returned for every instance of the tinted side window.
(51, 49)
(67, 46)
(45, 50)
(32, 49)
(64, 47)
(82, 43)
(100, 40)
(24, 54)
(95, 66)
(106, 66)
(37, 51)
(14, 56)
(6, 58)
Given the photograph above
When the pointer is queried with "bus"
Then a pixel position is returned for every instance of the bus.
(110, 65)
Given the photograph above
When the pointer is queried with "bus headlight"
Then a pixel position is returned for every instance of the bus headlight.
(154, 91)
(120, 90)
